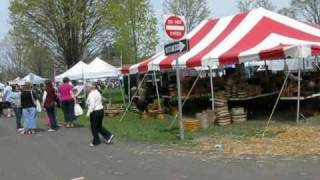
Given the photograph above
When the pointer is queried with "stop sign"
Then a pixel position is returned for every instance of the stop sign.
(175, 27)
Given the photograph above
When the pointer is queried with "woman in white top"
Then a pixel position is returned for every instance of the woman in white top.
(96, 114)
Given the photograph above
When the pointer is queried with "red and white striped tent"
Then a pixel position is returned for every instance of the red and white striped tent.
(256, 35)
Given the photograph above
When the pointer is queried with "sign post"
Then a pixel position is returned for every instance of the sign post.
(175, 30)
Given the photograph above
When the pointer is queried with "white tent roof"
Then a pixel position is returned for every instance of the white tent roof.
(34, 79)
(76, 72)
(101, 69)
(97, 69)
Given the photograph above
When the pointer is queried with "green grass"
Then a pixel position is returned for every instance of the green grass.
(114, 94)
(155, 131)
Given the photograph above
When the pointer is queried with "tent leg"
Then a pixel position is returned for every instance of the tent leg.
(130, 100)
(122, 92)
(277, 102)
(157, 90)
(129, 89)
(211, 85)
(299, 92)
(187, 97)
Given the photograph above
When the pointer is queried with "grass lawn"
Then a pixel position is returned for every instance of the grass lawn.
(155, 131)
(114, 94)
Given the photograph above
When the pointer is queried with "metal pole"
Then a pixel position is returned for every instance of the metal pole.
(212, 91)
(122, 91)
(129, 89)
(130, 100)
(179, 98)
(157, 89)
(277, 102)
(299, 90)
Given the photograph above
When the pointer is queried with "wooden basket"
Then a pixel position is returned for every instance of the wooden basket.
(191, 125)
(144, 116)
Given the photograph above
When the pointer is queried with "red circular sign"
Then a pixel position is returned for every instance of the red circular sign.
(175, 28)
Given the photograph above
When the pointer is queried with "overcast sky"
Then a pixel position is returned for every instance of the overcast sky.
(219, 8)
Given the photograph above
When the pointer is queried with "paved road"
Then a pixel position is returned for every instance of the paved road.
(65, 155)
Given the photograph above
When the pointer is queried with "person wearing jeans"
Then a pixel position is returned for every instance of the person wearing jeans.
(30, 119)
(67, 102)
(29, 113)
(48, 102)
(15, 101)
(96, 114)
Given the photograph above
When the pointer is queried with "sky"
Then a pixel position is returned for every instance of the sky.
(219, 8)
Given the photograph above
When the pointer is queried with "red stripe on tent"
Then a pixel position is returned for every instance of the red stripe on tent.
(261, 31)
(196, 60)
(167, 62)
(125, 69)
(143, 66)
(315, 50)
(273, 53)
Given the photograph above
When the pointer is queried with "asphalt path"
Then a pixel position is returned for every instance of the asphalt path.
(65, 155)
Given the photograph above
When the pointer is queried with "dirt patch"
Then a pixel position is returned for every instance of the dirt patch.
(288, 140)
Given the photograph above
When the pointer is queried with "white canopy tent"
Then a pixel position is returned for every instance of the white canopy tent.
(98, 69)
(17, 80)
(76, 72)
(1, 86)
(33, 78)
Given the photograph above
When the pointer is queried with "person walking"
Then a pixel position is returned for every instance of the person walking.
(96, 114)
(67, 100)
(5, 98)
(48, 102)
(28, 104)
(15, 101)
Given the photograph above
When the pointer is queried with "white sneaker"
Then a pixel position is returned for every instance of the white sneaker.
(91, 145)
(20, 129)
(110, 139)
(51, 130)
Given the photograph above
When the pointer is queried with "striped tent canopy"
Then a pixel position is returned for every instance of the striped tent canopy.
(252, 36)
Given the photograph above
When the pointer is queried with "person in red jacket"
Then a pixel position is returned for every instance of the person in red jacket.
(48, 102)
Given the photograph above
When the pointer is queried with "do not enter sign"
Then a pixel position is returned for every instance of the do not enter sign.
(175, 27)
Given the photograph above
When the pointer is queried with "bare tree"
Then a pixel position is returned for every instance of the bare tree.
(194, 11)
(289, 12)
(69, 28)
(307, 9)
(247, 5)
(12, 54)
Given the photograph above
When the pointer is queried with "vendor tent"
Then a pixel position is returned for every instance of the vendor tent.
(98, 69)
(34, 79)
(252, 36)
(76, 72)
(17, 80)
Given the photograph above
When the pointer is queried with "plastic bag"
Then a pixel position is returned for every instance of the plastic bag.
(38, 106)
(78, 111)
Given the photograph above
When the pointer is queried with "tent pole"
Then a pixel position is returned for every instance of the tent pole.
(157, 89)
(129, 89)
(299, 91)
(187, 97)
(122, 91)
(277, 102)
(211, 85)
(130, 100)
